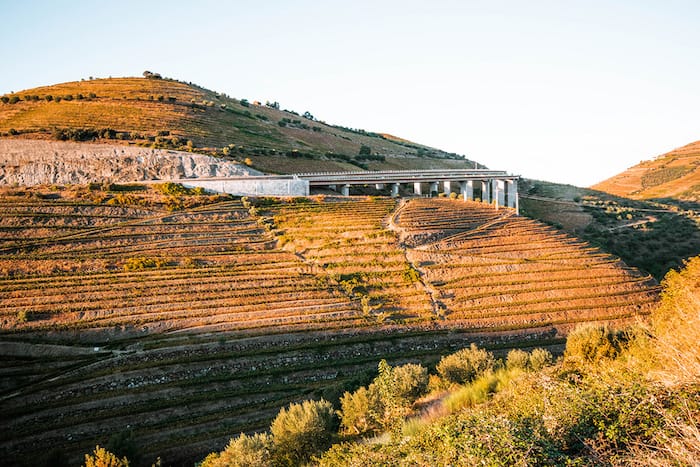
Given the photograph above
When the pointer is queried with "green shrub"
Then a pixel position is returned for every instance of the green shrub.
(143, 262)
(410, 382)
(539, 358)
(358, 411)
(517, 359)
(243, 451)
(591, 343)
(302, 430)
(465, 365)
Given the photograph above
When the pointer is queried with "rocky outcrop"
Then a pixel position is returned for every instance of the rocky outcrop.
(37, 162)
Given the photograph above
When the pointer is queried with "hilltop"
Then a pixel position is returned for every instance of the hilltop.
(675, 175)
(168, 114)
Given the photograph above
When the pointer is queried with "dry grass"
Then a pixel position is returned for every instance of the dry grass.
(212, 121)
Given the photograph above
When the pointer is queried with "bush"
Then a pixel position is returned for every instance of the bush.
(465, 365)
(592, 343)
(356, 411)
(396, 389)
(410, 382)
(243, 451)
(302, 430)
(143, 262)
(676, 323)
(517, 359)
(539, 358)
(103, 458)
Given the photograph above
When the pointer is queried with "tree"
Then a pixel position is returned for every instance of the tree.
(103, 458)
(308, 115)
(302, 430)
(365, 150)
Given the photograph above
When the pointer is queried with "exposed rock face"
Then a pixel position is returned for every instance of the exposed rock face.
(36, 162)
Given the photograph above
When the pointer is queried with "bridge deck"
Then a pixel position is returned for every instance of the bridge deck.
(402, 176)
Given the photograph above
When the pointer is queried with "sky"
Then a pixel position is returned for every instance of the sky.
(569, 91)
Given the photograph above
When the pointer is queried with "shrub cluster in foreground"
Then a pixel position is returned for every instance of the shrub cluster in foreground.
(615, 398)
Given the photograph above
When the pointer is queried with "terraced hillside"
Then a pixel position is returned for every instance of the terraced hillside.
(671, 175)
(188, 319)
(492, 269)
(169, 114)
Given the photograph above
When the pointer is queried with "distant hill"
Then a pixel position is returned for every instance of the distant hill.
(169, 114)
(672, 175)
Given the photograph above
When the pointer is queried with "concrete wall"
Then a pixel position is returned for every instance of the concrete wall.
(252, 186)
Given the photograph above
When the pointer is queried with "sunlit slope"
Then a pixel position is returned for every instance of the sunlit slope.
(492, 269)
(672, 175)
(172, 114)
(190, 319)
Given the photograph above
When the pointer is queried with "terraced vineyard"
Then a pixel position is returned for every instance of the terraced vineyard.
(189, 326)
(491, 269)
(347, 240)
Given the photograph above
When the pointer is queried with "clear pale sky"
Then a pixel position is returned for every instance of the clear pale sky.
(566, 91)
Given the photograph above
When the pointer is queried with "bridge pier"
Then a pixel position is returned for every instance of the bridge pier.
(345, 190)
(379, 186)
(446, 187)
(513, 195)
(466, 189)
(486, 191)
(433, 188)
(416, 189)
(499, 193)
(395, 190)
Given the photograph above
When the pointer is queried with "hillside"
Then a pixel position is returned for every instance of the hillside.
(169, 114)
(675, 174)
(185, 319)
(655, 236)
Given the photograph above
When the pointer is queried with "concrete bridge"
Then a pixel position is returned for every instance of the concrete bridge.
(489, 186)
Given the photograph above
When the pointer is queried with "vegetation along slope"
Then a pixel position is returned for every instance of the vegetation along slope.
(167, 320)
(617, 397)
(671, 175)
(169, 114)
